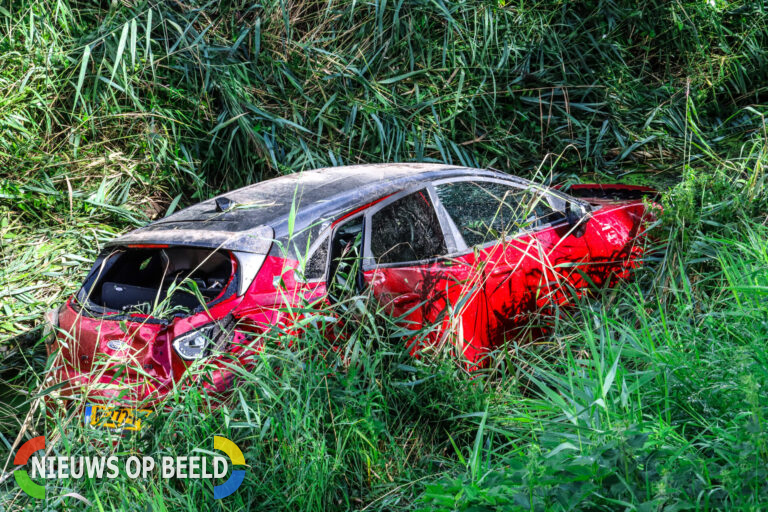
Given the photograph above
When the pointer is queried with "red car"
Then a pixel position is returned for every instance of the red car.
(473, 252)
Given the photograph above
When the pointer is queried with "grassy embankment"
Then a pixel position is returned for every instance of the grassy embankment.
(113, 115)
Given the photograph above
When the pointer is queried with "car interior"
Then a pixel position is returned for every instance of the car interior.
(137, 279)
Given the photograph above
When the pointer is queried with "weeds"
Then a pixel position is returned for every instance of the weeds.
(650, 396)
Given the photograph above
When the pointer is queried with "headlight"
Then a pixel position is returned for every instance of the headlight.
(195, 343)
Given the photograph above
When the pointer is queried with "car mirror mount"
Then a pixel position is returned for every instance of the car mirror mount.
(576, 217)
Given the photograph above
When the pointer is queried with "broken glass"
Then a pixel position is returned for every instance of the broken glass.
(407, 230)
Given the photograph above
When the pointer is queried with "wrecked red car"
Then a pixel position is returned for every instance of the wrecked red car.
(472, 252)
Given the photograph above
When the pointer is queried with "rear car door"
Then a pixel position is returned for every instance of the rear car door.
(412, 265)
(485, 215)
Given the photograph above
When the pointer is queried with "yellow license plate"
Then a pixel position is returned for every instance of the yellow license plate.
(122, 418)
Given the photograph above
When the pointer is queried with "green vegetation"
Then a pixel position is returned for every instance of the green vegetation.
(649, 397)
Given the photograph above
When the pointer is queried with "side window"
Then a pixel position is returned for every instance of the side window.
(315, 268)
(407, 230)
(486, 211)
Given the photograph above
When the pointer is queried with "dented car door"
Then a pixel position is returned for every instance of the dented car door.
(414, 271)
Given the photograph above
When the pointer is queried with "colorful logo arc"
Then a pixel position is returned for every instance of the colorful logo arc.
(21, 475)
(237, 476)
(219, 491)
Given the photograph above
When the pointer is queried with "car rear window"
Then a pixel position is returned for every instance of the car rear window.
(159, 281)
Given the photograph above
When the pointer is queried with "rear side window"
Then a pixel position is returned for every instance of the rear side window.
(487, 211)
(407, 230)
(315, 268)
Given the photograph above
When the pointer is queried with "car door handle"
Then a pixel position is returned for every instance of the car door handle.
(406, 298)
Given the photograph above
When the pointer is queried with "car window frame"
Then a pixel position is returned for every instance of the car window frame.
(369, 261)
(331, 231)
(327, 230)
(544, 191)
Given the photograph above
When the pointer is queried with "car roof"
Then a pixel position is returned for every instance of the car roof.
(291, 202)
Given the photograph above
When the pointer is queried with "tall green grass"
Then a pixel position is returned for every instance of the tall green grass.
(219, 94)
(650, 396)
(654, 400)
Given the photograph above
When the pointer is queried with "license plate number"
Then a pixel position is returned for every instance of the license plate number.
(120, 418)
